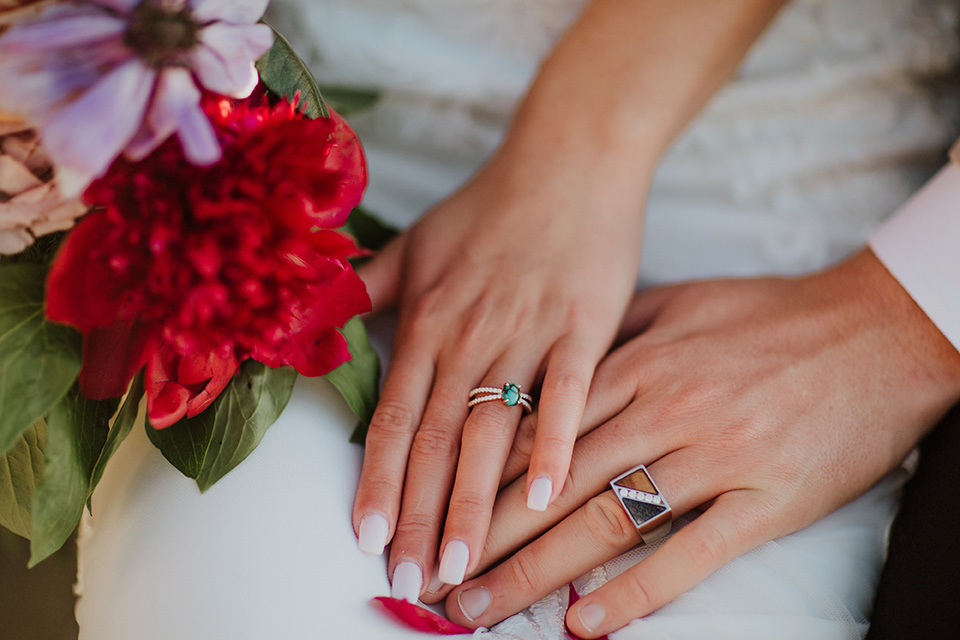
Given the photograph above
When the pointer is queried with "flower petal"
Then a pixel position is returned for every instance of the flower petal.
(224, 61)
(84, 137)
(36, 85)
(15, 177)
(176, 108)
(14, 241)
(237, 11)
(123, 6)
(181, 386)
(70, 26)
(419, 618)
(83, 292)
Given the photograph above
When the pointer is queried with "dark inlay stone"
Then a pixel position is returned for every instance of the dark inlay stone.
(642, 511)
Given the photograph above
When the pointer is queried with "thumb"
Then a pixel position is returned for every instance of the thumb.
(643, 310)
(382, 274)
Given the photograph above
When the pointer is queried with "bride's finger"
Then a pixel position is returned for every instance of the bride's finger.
(726, 530)
(563, 395)
(613, 388)
(431, 468)
(593, 534)
(487, 435)
(389, 438)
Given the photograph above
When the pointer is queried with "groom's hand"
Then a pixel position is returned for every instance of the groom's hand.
(773, 401)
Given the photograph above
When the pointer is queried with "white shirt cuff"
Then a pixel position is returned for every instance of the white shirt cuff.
(920, 246)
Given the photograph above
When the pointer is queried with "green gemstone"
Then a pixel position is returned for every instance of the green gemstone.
(510, 394)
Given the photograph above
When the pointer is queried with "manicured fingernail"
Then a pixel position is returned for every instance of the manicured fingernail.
(435, 582)
(473, 602)
(373, 534)
(453, 564)
(538, 497)
(591, 616)
(407, 581)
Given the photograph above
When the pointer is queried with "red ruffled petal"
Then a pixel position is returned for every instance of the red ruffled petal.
(418, 618)
(183, 386)
(81, 290)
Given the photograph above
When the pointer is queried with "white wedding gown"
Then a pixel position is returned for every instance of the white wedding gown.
(824, 132)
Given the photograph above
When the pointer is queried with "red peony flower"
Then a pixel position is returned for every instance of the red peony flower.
(190, 270)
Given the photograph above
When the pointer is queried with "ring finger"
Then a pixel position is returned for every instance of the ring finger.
(593, 534)
(487, 437)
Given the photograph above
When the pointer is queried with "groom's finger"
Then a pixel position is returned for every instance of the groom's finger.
(726, 530)
(593, 534)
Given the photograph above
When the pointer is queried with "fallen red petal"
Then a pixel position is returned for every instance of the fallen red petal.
(574, 596)
(418, 618)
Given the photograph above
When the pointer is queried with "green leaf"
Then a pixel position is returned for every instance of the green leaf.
(358, 379)
(20, 471)
(349, 100)
(369, 231)
(76, 432)
(119, 431)
(39, 360)
(284, 73)
(208, 446)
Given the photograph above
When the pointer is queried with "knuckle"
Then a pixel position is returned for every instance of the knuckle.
(432, 442)
(710, 545)
(607, 523)
(417, 525)
(476, 323)
(525, 574)
(424, 313)
(574, 487)
(381, 486)
(392, 420)
(472, 505)
(642, 593)
(567, 386)
(491, 423)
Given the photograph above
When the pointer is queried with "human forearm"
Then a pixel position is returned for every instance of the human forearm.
(624, 81)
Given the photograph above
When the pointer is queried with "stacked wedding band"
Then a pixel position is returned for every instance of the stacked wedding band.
(509, 395)
(646, 508)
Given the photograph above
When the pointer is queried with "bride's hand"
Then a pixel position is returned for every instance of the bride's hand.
(773, 401)
(519, 277)
(524, 274)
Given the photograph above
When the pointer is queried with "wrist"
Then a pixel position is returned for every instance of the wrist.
(924, 363)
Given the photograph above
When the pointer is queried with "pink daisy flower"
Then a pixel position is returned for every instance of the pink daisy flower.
(105, 77)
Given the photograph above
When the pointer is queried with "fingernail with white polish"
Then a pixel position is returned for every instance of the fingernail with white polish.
(591, 616)
(407, 581)
(473, 602)
(453, 563)
(373, 534)
(538, 496)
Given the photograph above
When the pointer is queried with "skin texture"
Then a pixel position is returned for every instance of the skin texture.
(525, 273)
(769, 401)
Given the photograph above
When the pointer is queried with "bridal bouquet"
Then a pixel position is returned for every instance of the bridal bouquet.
(174, 202)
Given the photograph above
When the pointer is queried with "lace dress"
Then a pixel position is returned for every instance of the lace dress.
(828, 127)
